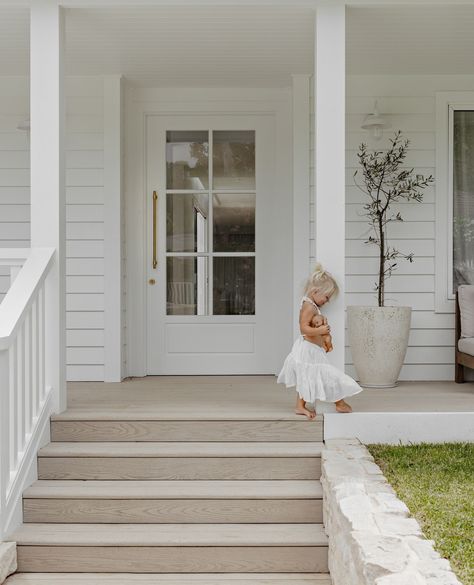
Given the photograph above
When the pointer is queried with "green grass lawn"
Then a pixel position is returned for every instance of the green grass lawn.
(436, 482)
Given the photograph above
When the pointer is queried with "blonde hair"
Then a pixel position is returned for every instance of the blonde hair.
(322, 281)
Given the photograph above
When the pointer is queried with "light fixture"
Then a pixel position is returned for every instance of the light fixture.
(24, 125)
(375, 123)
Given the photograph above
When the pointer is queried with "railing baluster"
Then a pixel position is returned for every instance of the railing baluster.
(42, 342)
(28, 372)
(20, 360)
(5, 452)
(13, 410)
(34, 358)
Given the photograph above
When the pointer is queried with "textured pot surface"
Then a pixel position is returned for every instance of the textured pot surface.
(378, 337)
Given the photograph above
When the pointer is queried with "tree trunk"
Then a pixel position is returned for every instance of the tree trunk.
(381, 289)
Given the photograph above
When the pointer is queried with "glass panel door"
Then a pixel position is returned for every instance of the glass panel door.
(210, 222)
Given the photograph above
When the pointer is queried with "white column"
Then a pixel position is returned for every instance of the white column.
(329, 94)
(113, 228)
(48, 224)
(301, 188)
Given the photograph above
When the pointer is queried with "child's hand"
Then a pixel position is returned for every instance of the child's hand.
(322, 330)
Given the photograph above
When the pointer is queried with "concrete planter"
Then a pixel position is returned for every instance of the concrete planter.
(378, 338)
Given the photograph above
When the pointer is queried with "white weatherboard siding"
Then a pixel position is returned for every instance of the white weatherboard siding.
(84, 211)
(409, 104)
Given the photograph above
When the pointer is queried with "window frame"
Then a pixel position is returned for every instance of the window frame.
(446, 104)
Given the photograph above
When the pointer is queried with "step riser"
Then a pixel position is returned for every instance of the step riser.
(171, 559)
(101, 430)
(216, 468)
(172, 511)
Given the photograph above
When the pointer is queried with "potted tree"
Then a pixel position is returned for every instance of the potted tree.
(378, 335)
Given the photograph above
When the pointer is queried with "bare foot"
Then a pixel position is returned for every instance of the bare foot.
(342, 406)
(306, 412)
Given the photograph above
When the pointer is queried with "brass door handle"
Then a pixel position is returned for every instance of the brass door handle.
(155, 198)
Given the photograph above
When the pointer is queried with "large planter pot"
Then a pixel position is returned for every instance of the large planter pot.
(378, 338)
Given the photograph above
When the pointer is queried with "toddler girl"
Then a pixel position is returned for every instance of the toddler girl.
(307, 366)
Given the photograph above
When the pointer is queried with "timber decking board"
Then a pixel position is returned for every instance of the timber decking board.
(221, 535)
(228, 489)
(157, 412)
(93, 429)
(182, 449)
(185, 511)
(185, 468)
(172, 559)
(162, 579)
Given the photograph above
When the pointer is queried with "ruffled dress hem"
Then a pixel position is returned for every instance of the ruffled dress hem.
(308, 368)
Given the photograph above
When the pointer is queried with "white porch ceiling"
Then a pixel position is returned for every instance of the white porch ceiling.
(245, 45)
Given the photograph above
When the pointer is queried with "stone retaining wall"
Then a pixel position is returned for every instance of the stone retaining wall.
(7, 559)
(372, 538)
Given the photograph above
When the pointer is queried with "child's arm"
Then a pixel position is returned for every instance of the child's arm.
(306, 328)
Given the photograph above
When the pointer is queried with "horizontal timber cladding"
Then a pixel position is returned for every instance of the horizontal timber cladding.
(84, 211)
(408, 102)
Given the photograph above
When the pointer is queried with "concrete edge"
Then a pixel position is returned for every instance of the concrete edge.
(373, 540)
(401, 427)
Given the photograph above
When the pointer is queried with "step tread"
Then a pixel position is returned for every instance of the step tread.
(175, 489)
(185, 449)
(149, 535)
(163, 579)
(179, 414)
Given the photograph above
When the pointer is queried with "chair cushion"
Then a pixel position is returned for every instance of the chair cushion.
(466, 307)
(466, 345)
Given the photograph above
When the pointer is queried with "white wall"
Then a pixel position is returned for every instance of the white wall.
(85, 204)
(409, 104)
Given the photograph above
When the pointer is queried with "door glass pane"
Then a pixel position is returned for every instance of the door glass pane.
(234, 222)
(186, 292)
(234, 286)
(187, 159)
(233, 159)
(463, 198)
(187, 222)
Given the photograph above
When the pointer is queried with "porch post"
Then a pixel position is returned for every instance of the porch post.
(301, 187)
(113, 228)
(329, 92)
(48, 225)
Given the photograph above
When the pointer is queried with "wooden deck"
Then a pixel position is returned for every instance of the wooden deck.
(246, 398)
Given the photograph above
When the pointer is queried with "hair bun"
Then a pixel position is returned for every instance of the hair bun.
(318, 270)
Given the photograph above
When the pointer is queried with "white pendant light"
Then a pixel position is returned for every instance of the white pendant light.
(375, 123)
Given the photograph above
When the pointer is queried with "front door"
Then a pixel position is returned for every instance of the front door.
(212, 299)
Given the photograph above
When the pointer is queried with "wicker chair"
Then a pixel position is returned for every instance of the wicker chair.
(464, 331)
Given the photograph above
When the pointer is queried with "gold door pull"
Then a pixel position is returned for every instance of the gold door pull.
(155, 198)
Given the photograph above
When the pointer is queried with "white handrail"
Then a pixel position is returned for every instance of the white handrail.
(25, 399)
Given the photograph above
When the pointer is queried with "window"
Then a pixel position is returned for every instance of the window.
(454, 195)
(463, 197)
(210, 222)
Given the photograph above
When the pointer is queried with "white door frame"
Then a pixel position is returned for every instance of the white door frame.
(141, 102)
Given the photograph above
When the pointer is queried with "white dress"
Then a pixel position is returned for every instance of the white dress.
(307, 367)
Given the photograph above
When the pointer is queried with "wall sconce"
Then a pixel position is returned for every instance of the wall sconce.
(23, 125)
(375, 123)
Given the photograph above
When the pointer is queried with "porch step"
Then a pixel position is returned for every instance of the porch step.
(160, 579)
(86, 426)
(168, 548)
(180, 461)
(184, 502)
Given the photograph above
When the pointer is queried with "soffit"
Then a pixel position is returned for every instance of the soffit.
(245, 45)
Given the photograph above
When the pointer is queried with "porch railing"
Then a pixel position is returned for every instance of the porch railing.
(25, 399)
